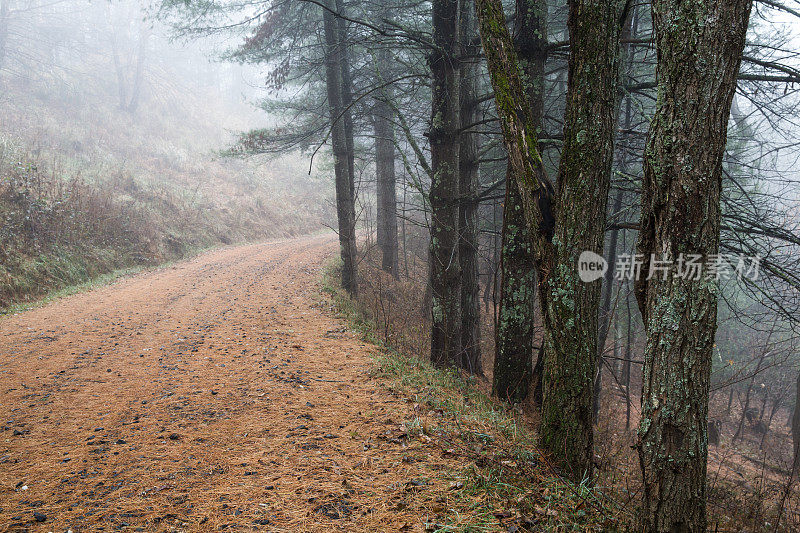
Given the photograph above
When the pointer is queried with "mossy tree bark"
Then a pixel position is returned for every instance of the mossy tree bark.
(445, 276)
(569, 306)
(699, 46)
(345, 204)
(519, 128)
(515, 328)
(513, 359)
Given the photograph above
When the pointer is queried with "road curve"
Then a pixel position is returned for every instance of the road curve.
(218, 394)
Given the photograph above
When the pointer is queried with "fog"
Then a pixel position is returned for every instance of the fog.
(99, 53)
(104, 112)
(316, 264)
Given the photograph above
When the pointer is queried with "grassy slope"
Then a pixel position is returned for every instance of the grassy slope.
(505, 483)
(87, 189)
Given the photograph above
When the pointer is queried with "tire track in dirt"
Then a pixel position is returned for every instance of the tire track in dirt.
(218, 394)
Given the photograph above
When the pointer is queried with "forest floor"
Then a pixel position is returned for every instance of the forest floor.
(222, 393)
(217, 392)
(227, 393)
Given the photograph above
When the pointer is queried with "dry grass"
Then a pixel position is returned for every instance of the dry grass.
(748, 481)
(504, 483)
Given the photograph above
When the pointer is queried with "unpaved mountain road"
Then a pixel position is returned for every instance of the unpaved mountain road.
(220, 393)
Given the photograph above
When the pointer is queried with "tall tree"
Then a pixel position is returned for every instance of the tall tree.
(138, 74)
(445, 278)
(515, 327)
(629, 32)
(470, 358)
(569, 306)
(384, 168)
(699, 48)
(346, 90)
(796, 427)
(129, 80)
(345, 204)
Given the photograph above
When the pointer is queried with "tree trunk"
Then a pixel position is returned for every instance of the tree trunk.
(730, 400)
(144, 35)
(345, 205)
(403, 229)
(746, 406)
(630, 31)
(468, 204)
(605, 307)
(445, 276)
(347, 94)
(570, 306)
(776, 404)
(763, 409)
(515, 328)
(119, 68)
(699, 47)
(796, 425)
(385, 174)
(768, 424)
(626, 369)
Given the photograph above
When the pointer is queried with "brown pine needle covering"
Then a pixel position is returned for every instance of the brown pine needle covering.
(224, 394)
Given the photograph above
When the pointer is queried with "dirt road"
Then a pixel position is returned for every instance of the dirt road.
(217, 394)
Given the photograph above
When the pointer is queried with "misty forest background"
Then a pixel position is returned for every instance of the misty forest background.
(463, 167)
(108, 153)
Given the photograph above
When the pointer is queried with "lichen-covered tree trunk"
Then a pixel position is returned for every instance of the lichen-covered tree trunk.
(468, 190)
(513, 360)
(445, 277)
(519, 128)
(345, 205)
(385, 174)
(515, 327)
(570, 307)
(699, 48)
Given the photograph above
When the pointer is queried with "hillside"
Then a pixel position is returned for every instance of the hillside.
(88, 188)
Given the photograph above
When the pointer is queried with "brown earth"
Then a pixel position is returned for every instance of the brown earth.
(218, 394)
